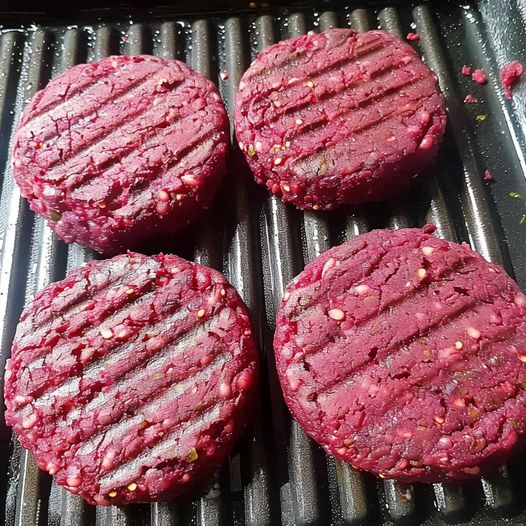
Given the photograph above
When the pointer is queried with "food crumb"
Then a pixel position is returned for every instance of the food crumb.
(336, 314)
(523, 218)
(52, 469)
(106, 333)
(224, 75)
(474, 333)
(192, 455)
(413, 37)
(488, 176)
(470, 99)
(466, 70)
(481, 118)
(509, 75)
(514, 194)
(479, 76)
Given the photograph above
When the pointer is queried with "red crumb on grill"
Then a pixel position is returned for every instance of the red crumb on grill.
(413, 37)
(466, 70)
(509, 75)
(470, 99)
(488, 176)
(479, 76)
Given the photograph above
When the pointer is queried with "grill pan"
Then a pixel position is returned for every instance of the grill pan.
(276, 475)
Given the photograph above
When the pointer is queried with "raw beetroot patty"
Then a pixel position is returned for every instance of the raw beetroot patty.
(118, 150)
(405, 355)
(131, 379)
(338, 117)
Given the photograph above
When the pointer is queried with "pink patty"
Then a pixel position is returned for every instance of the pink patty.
(338, 117)
(131, 379)
(405, 355)
(122, 149)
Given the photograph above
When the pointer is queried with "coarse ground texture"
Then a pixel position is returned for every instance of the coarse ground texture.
(338, 117)
(113, 152)
(404, 355)
(131, 379)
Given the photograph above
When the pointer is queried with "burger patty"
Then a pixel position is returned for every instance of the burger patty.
(116, 151)
(405, 355)
(130, 380)
(338, 117)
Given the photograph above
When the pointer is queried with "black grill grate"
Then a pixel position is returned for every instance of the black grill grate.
(277, 475)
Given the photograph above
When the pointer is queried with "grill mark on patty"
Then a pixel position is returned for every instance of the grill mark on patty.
(372, 272)
(151, 456)
(301, 164)
(113, 354)
(57, 318)
(120, 349)
(129, 119)
(49, 131)
(294, 54)
(298, 103)
(372, 432)
(108, 314)
(432, 331)
(400, 303)
(351, 339)
(125, 421)
(346, 375)
(73, 90)
(134, 87)
(189, 148)
(174, 347)
(92, 368)
(153, 140)
(508, 403)
(61, 169)
(305, 76)
(312, 125)
(144, 192)
(417, 381)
